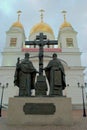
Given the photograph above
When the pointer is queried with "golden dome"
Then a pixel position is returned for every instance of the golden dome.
(65, 24)
(17, 24)
(41, 27)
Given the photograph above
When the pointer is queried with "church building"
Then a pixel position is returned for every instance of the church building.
(67, 51)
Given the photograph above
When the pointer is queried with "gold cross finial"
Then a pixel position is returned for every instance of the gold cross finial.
(64, 14)
(19, 13)
(41, 11)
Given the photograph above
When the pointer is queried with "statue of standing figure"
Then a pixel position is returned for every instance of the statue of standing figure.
(24, 76)
(56, 76)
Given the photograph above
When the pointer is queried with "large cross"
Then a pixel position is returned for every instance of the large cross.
(41, 40)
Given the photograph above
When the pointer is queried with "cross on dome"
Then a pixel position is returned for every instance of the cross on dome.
(64, 14)
(19, 13)
(41, 11)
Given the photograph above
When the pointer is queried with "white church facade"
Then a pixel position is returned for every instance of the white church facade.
(67, 51)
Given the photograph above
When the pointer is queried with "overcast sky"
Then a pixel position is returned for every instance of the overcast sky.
(76, 15)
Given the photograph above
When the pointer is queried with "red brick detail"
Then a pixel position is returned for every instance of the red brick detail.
(45, 49)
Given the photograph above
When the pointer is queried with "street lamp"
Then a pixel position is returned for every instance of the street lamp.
(3, 86)
(81, 86)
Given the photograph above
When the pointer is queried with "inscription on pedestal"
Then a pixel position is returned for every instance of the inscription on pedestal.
(39, 108)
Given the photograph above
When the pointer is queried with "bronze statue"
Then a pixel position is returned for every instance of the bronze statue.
(56, 76)
(41, 40)
(24, 76)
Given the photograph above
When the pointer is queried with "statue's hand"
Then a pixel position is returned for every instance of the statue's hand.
(37, 71)
(44, 68)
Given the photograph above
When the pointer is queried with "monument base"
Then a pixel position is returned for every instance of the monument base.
(40, 111)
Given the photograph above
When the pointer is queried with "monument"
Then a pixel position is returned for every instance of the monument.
(53, 109)
(41, 40)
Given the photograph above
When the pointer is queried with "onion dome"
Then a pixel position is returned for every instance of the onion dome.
(41, 27)
(65, 23)
(18, 23)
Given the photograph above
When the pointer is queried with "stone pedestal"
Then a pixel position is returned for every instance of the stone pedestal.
(41, 86)
(40, 111)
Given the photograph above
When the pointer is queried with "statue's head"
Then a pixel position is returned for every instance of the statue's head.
(27, 55)
(54, 55)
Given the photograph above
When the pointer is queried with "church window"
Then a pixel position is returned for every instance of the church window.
(69, 42)
(13, 42)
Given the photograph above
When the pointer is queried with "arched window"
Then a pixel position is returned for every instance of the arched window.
(69, 42)
(13, 42)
